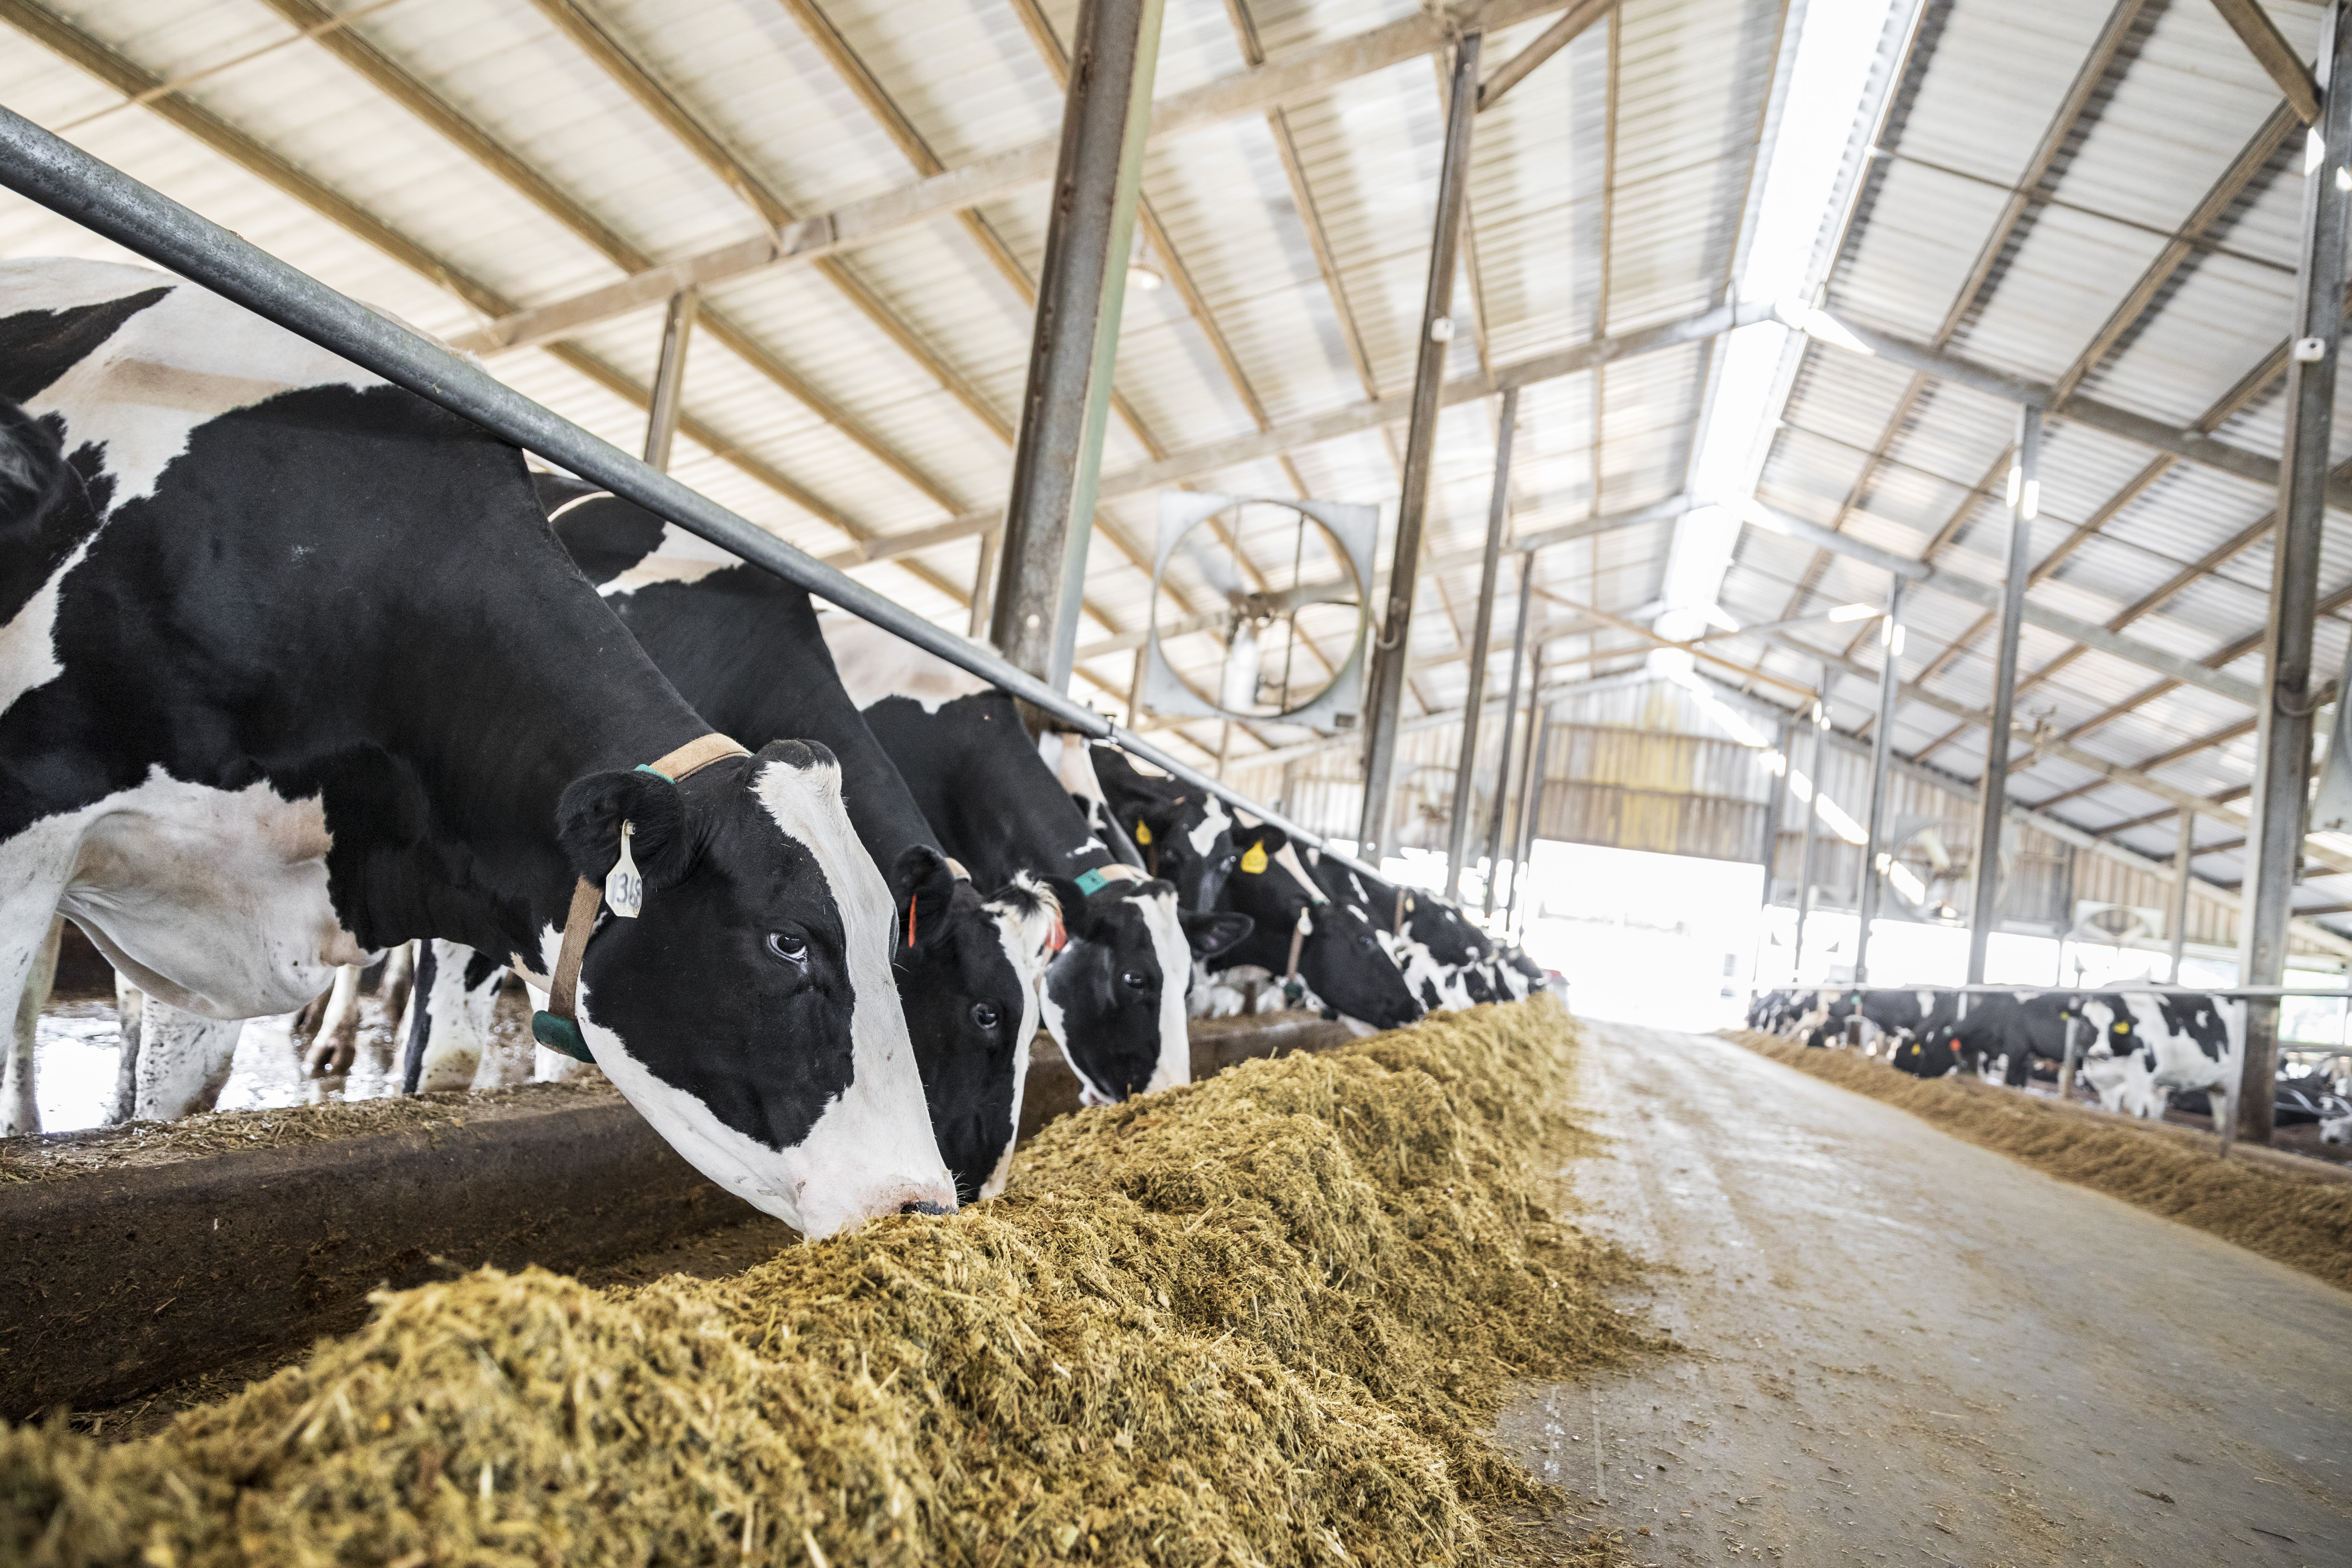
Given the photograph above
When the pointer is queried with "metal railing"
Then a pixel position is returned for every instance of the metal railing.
(50, 171)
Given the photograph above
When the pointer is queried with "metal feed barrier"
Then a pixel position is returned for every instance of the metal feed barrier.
(47, 169)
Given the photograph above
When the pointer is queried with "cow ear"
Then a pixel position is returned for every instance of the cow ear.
(1077, 919)
(1274, 839)
(1213, 932)
(589, 815)
(922, 885)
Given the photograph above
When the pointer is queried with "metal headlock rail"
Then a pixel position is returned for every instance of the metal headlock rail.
(48, 169)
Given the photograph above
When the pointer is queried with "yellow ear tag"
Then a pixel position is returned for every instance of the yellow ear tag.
(1143, 833)
(2123, 1029)
(1253, 862)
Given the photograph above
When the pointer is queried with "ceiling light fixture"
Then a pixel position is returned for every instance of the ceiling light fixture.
(1141, 277)
(1853, 611)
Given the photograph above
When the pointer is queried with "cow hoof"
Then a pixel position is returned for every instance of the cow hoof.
(327, 1058)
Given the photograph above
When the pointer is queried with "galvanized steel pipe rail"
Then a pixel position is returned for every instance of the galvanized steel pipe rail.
(48, 169)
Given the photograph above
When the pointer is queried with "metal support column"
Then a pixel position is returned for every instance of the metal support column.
(1882, 752)
(2282, 771)
(2024, 503)
(1530, 791)
(1457, 832)
(1510, 712)
(669, 377)
(1812, 819)
(1394, 652)
(1776, 804)
(983, 589)
(1057, 454)
(2182, 854)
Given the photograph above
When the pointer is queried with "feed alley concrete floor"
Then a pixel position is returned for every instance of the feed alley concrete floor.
(1905, 1349)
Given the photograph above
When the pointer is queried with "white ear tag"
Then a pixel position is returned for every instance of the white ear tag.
(624, 890)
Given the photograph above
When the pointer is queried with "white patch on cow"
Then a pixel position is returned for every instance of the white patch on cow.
(875, 664)
(28, 648)
(1023, 928)
(871, 1150)
(458, 1042)
(1175, 955)
(1287, 858)
(180, 363)
(184, 1061)
(656, 569)
(212, 901)
(1213, 821)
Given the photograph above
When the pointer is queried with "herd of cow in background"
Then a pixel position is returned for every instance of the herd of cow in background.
(2141, 1052)
(300, 674)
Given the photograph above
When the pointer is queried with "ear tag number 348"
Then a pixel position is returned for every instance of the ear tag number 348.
(624, 890)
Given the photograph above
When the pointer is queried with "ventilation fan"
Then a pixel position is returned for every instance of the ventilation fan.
(1291, 578)
(2115, 925)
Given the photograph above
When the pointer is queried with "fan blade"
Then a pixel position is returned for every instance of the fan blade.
(1237, 691)
(1215, 563)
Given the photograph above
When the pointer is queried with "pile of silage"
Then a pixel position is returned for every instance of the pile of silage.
(1259, 1320)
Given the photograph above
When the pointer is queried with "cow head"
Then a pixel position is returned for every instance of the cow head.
(1341, 956)
(748, 1013)
(2103, 1026)
(967, 968)
(1185, 834)
(1113, 999)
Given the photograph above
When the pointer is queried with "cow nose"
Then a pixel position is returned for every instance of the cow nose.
(925, 1209)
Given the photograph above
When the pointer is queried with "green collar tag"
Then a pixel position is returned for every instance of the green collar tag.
(1092, 882)
(560, 1033)
(649, 768)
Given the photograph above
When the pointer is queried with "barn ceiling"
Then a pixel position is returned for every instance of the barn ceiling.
(2097, 195)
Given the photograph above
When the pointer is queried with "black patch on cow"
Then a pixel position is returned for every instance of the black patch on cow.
(605, 534)
(38, 346)
(976, 776)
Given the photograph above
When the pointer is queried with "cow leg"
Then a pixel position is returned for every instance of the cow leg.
(20, 1106)
(392, 987)
(331, 1051)
(449, 1045)
(130, 1011)
(183, 1061)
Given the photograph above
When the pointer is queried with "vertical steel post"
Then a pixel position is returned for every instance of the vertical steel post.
(1510, 713)
(1057, 453)
(2182, 854)
(1812, 819)
(983, 591)
(1882, 752)
(1530, 790)
(2283, 747)
(2024, 503)
(1394, 652)
(669, 377)
(1776, 801)
(1457, 833)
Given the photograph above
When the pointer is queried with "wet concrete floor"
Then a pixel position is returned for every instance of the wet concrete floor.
(1908, 1350)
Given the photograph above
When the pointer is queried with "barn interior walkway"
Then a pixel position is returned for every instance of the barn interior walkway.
(1906, 1349)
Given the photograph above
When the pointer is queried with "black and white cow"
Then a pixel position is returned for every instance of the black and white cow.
(743, 647)
(1114, 997)
(1183, 835)
(292, 670)
(2157, 1045)
(1341, 960)
(2003, 1033)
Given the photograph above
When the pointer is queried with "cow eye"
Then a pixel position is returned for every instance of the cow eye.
(984, 1014)
(1365, 942)
(1133, 980)
(790, 946)
(1229, 862)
